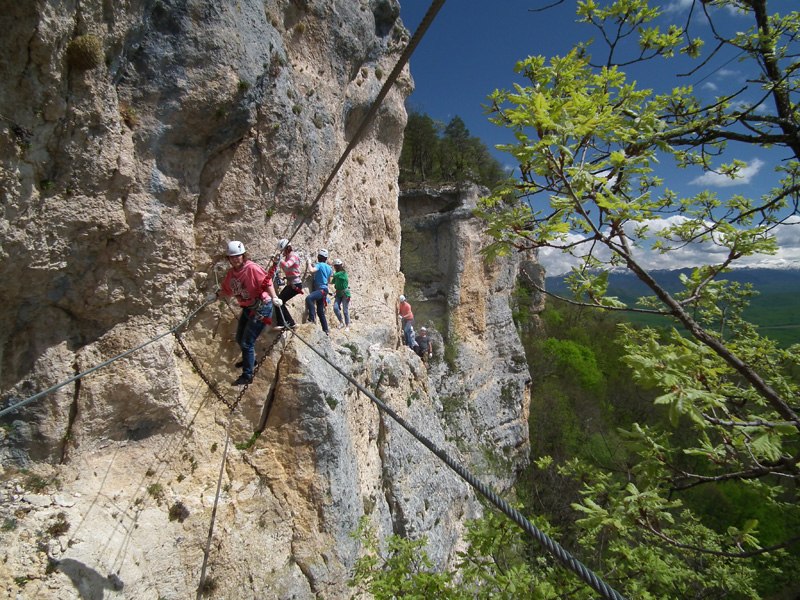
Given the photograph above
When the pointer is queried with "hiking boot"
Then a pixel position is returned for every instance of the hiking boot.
(243, 380)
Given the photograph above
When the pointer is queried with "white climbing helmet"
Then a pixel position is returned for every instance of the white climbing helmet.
(283, 243)
(337, 262)
(402, 298)
(323, 253)
(235, 248)
(422, 329)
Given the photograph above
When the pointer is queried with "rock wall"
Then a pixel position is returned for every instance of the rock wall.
(464, 300)
(136, 138)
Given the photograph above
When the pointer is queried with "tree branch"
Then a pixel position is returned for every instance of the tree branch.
(755, 423)
(595, 305)
(748, 554)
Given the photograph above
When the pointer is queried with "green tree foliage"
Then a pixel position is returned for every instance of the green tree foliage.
(402, 570)
(599, 483)
(588, 142)
(420, 147)
(436, 153)
(576, 358)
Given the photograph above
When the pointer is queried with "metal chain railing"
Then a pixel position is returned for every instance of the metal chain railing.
(211, 385)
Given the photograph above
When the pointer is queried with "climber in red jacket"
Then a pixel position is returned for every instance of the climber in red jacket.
(248, 283)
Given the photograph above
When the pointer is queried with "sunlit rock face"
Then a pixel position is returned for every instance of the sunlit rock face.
(481, 378)
(127, 162)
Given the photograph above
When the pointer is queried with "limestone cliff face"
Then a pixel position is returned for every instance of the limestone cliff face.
(136, 138)
(464, 300)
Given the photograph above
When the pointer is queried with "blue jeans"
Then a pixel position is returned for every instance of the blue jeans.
(250, 327)
(408, 324)
(316, 299)
(342, 305)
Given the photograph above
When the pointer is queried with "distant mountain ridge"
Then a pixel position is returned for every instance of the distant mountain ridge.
(775, 309)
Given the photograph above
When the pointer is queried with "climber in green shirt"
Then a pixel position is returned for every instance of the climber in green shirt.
(341, 303)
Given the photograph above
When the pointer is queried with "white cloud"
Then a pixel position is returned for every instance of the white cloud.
(681, 6)
(711, 87)
(788, 255)
(678, 6)
(728, 73)
(743, 106)
(743, 177)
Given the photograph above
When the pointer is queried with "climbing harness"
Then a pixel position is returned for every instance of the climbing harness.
(254, 312)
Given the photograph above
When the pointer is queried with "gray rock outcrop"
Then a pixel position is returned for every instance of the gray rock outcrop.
(464, 299)
(136, 138)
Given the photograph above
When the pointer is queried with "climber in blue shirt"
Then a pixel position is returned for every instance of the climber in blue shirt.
(319, 296)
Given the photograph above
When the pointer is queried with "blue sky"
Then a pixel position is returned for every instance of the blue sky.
(471, 49)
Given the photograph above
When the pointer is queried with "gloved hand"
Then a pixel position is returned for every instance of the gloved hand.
(277, 302)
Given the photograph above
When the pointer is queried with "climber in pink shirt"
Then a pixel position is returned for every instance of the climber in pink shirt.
(290, 264)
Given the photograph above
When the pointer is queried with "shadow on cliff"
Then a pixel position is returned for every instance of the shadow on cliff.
(89, 584)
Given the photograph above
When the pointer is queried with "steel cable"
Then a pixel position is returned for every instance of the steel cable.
(367, 120)
(553, 547)
(103, 364)
(201, 585)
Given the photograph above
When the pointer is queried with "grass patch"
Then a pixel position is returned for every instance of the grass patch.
(355, 353)
(129, 115)
(209, 586)
(9, 524)
(85, 52)
(452, 405)
(59, 526)
(35, 483)
(156, 491)
(178, 512)
(249, 443)
(451, 352)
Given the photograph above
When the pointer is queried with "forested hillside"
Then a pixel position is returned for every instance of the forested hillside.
(596, 426)
(611, 477)
(773, 305)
